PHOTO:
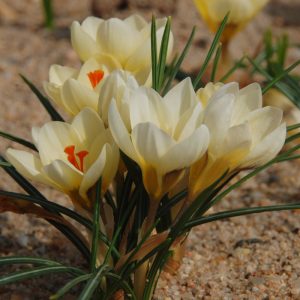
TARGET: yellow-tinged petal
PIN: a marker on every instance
(66, 175)
(118, 38)
(83, 43)
(119, 131)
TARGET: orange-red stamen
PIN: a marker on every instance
(70, 150)
(95, 77)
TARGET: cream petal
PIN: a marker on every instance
(117, 38)
(114, 86)
(263, 121)
(151, 143)
(59, 74)
(64, 174)
(238, 137)
(88, 125)
(84, 45)
(93, 173)
(229, 88)
(90, 25)
(53, 91)
(249, 99)
(136, 22)
(188, 122)
(217, 118)
(146, 106)
(119, 131)
(76, 96)
(179, 99)
(186, 152)
(26, 163)
(52, 140)
(267, 149)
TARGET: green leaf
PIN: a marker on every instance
(93, 283)
(5, 164)
(30, 189)
(211, 51)
(36, 272)
(48, 12)
(154, 54)
(176, 68)
(61, 292)
(293, 127)
(216, 62)
(55, 116)
(96, 226)
(163, 54)
(237, 65)
(239, 212)
(10, 260)
(18, 140)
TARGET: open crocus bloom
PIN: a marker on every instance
(74, 90)
(163, 135)
(126, 41)
(243, 134)
(241, 12)
(72, 157)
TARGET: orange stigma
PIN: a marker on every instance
(95, 77)
(76, 159)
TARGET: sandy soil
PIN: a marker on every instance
(255, 257)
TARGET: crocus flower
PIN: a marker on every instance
(71, 157)
(241, 12)
(74, 90)
(243, 134)
(127, 42)
(163, 136)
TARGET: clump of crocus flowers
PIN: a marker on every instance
(155, 155)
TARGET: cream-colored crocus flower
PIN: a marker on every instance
(163, 135)
(243, 134)
(74, 89)
(71, 157)
(126, 41)
(241, 12)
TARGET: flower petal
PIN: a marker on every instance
(119, 131)
(151, 143)
(186, 152)
(67, 177)
(88, 125)
(117, 38)
(83, 43)
(179, 99)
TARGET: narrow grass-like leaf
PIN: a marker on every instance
(163, 54)
(55, 116)
(211, 51)
(66, 288)
(239, 212)
(237, 65)
(216, 63)
(293, 127)
(176, 68)
(48, 12)
(30, 189)
(5, 164)
(96, 227)
(154, 54)
(93, 283)
(18, 140)
(280, 76)
(11, 260)
(36, 272)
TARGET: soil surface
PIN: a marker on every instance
(253, 257)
